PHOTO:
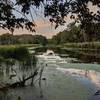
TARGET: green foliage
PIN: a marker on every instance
(84, 45)
(1, 59)
(75, 34)
(17, 53)
(9, 55)
(6, 38)
(22, 39)
(92, 31)
(72, 35)
(39, 39)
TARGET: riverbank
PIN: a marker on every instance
(83, 54)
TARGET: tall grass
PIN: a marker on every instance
(17, 53)
(87, 45)
(11, 56)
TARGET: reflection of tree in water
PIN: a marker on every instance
(19, 73)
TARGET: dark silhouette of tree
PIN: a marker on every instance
(56, 10)
(78, 10)
(10, 21)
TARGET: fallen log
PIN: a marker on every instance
(22, 83)
(5, 87)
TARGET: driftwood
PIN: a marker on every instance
(22, 83)
(5, 87)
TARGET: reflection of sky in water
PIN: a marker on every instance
(95, 97)
(87, 83)
(56, 87)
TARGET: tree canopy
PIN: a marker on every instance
(7, 39)
(56, 10)
(74, 33)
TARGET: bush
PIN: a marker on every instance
(17, 53)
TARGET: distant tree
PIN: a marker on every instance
(92, 31)
(56, 39)
(23, 39)
(39, 39)
(74, 33)
(6, 39)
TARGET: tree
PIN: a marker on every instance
(92, 31)
(6, 39)
(74, 33)
(59, 9)
(23, 39)
(39, 39)
(56, 10)
(10, 21)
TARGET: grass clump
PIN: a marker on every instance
(17, 53)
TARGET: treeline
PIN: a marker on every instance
(75, 34)
(7, 39)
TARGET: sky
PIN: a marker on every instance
(43, 26)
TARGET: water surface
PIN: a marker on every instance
(57, 86)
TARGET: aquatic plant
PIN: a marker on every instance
(19, 61)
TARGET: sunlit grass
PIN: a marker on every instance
(14, 52)
(88, 45)
(19, 45)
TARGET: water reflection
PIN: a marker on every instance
(55, 84)
(85, 76)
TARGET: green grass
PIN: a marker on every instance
(88, 45)
(19, 45)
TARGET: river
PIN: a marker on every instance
(58, 85)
